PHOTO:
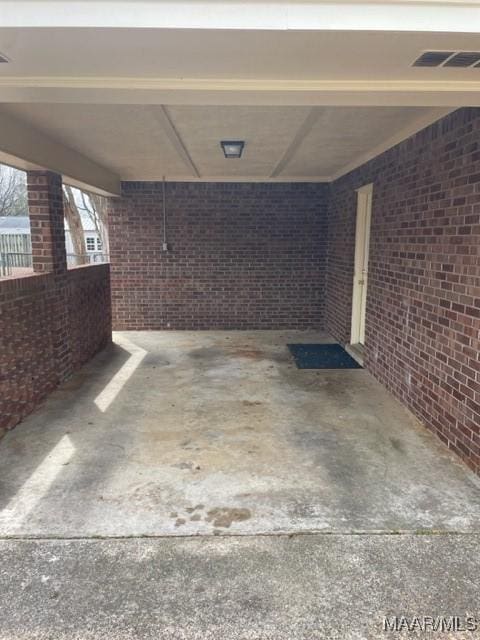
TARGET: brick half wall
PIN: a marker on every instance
(243, 256)
(423, 304)
(31, 346)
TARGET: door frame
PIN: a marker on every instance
(362, 247)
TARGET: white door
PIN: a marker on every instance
(360, 278)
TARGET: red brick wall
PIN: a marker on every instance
(89, 312)
(34, 356)
(242, 256)
(45, 206)
(423, 304)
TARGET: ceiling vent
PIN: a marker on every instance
(458, 59)
(3, 58)
(463, 59)
(432, 58)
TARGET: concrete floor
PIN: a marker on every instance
(187, 433)
(236, 588)
(181, 434)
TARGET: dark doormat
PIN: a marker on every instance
(322, 356)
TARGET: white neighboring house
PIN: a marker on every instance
(93, 242)
(14, 226)
(16, 246)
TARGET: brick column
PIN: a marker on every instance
(45, 206)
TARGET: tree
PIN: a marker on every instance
(72, 216)
(78, 204)
(13, 192)
(95, 207)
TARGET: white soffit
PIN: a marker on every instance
(205, 67)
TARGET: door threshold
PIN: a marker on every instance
(356, 351)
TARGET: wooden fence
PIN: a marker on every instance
(15, 252)
(15, 243)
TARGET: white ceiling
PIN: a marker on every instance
(146, 142)
(313, 87)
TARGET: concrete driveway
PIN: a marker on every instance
(278, 503)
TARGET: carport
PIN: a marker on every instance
(348, 214)
(218, 433)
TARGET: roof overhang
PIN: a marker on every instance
(159, 55)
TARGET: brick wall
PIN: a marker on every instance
(51, 322)
(89, 312)
(423, 304)
(242, 256)
(32, 352)
(45, 206)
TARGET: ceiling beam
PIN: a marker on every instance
(162, 116)
(298, 138)
(25, 147)
(168, 91)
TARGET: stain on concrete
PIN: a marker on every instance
(75, 382)
(398, 445)
(179, 522)
(224, 516)
(207, 353)
(251, 354)
(250, 403)
(155, 360)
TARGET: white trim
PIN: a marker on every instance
(172, 91)
(240, 84)
(360, 276)
(356, 351)
(400, 15)
(260, 179)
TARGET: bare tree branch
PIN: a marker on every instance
(13, 192)
(72, 215)
(99, 204)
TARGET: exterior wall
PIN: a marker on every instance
(45, 206)
(89, 312)
(51, 322)
(34, 357)
(423, 303)
(243, 256)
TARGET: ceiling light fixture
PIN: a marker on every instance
(232, 148)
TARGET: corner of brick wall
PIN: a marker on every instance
(34, 356)
(423, 303)
(51, 322)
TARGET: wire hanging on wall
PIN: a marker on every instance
(164, 198)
